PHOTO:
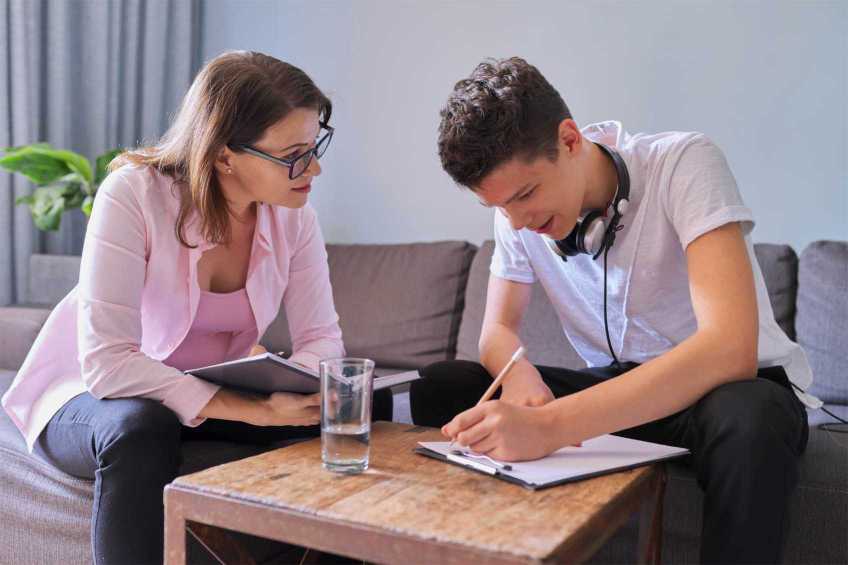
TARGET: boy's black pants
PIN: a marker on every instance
(745, 438)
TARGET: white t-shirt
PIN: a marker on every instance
(680, 188)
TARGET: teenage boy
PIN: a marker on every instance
(642, 245)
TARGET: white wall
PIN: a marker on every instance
(766, 80)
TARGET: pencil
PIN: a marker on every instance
(519, 353)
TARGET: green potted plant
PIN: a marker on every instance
(65, 180)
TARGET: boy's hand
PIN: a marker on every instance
(525, 387)
(502, 431)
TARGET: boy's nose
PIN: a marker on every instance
(517, 221)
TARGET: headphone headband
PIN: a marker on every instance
(622, 192)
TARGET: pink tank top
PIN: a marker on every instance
(219, 316)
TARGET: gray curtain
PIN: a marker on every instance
(85, 75)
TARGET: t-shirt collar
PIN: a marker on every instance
(610, 133)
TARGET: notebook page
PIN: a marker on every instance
(596, 455)
(395, 379)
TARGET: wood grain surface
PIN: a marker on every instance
(413, 496)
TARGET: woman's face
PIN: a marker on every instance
(249, 178)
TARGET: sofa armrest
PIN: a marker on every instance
(19, 326)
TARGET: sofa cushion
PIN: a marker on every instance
(779, 265)
(18, 328)
(822, 320)
(399, 305)
(541, 331)
(46, 514)
(10, 437)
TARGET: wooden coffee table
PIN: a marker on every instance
(410, 509)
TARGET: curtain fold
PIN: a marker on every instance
(85, 75)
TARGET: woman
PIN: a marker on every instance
(191, 247)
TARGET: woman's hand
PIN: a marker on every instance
(279, 409)
(289, 409)
(256, 350)
(503, 431)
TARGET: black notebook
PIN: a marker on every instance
(599, 456)
(266, 373)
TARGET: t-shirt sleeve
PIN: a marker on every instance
(702, 194)
(510, 260)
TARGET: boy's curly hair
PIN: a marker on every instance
(505, 109)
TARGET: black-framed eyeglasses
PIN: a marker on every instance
(297, 165)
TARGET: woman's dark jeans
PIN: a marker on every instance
(131, 448)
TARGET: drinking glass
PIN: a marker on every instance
(346, 387)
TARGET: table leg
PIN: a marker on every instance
(651, 521)
(175, 535)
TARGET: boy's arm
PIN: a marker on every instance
(723, 349)
(506, 302)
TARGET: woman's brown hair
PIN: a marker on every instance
(232, 101)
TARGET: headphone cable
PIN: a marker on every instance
(606, 323)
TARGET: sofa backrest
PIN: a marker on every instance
(399, 305)
(408, 305)
(822, 319)
(18, 329)
(779, 265)
(51, 277)
(542, 333)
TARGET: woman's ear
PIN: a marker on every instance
(224, 161)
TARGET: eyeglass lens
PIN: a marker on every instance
(302, 163)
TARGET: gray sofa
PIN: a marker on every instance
(409, 305)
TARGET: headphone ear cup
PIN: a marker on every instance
(568, 245)
(590, 237)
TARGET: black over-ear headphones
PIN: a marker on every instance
(595, 232)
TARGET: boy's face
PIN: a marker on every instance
(539, 195)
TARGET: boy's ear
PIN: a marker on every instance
(569, 134)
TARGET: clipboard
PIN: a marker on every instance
(598, 456)
(267, 373)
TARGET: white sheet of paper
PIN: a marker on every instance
(596, 455)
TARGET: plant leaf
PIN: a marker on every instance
(50, 219)
(74, 196)
(70, 178)
(87, 205)
(38, 167)
(75, 161)
(47, 206)
(43, 144)
(102, 164)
